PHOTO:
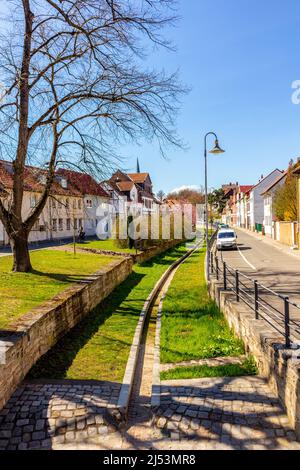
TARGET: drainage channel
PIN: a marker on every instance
(139, 415)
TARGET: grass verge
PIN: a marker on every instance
(248, 367)
(53, 272)
(98, 348)
(192, 325)
(106, 245)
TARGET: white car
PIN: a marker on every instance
(227, 239)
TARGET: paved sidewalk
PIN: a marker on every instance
(223, 413)
(43, 416)
(206, 414)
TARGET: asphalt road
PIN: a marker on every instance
(272, 268)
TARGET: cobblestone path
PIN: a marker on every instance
(43, 416)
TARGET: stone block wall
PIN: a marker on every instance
(37, 331)
(139, 257)
(280, 366)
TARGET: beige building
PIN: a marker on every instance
(63, 214)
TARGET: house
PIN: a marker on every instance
(116, 199)
(242, 196)
(256, 200)
(125, 189)
(229, 212)
(268, 196)
(145, 189)
(135, 188)
(93, 196)
(63, 212)
(235, 211)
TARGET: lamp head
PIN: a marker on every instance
(217, 149)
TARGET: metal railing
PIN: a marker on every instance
(266, 304)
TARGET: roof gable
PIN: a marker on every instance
(140, 178)
(84, 182)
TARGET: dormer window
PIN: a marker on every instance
(43, 179)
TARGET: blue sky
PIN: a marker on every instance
(240, 57)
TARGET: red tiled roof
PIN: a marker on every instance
(125, 185)
(138, 178)
(245, 189)
(83, 182)
(33, 181)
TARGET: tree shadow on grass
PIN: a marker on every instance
(56, 362)
(66, 278)
(166, 258)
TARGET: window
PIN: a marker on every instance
(74, 203)
(36, 226)
(32, 200)
(60, 225)
(80, 223)
(79, 203)
(67, 203)
(75, 224)
(89, 203)
(53, 203)
(59, 204)
(223, 235)
(54, 225)
(68, 224)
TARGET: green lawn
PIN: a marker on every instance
(98, 348)
(248, 367)
(106, 245)
(192, 325)
(53, 272)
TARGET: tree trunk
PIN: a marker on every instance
(19, 246)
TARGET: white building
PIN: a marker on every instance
(256, 200)
(269, 215)
(93, 196)
(62, 214)
(72, 204)
(241, 200)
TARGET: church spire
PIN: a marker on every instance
(138, 170)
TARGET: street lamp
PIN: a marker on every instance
(216, 150)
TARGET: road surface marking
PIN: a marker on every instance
(246, 261)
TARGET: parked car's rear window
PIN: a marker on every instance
(226, 235)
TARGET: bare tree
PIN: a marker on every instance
(74, 85)
(161, 195)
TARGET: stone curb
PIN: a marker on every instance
(211, 362)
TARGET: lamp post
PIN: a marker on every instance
(216, 150)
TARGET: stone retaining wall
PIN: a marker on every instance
(281, 367)
(141, 257)
(37, 331)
